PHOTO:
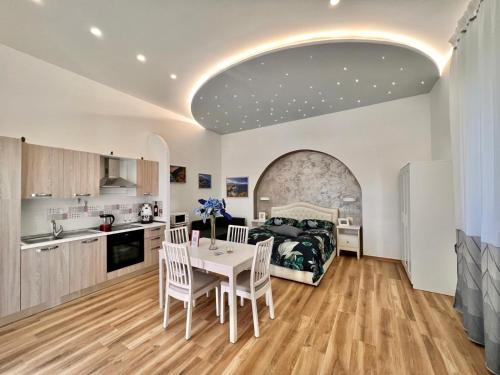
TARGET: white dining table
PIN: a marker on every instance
(220, 262)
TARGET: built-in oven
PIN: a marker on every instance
(125, 249)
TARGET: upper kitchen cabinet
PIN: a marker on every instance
(147, 178)
(42, 171)
(81, 174)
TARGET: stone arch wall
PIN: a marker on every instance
(309, 176)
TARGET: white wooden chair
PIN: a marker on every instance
(254, 283)
(178, 235)
(184, 283)
(237, 233)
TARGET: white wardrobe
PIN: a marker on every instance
(428, 226)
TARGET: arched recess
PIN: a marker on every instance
(309, 176)
(159, 150)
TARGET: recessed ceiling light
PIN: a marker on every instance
(383, 57)
(401, 68)
(311, 87)
(96, 32)
(141, 58)
(359, 101)
(334, 2)
(356, 80)
(286, 74)
(173, 76)
(345, 67)
(374, 86)
(422, 82)
(389, 92)
(394, 83)
(341, 98)
(38, 2)
(235, 95)
(338, 83)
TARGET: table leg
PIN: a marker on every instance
(233, 325)
(161, 282)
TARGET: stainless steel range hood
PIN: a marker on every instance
(112, 178)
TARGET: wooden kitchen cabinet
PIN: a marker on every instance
(81, 174)
(44, 274)
(10, 225)
(42, 171)
(87, 263)
(153, 239)
(147, 178)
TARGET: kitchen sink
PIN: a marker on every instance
(39, 238)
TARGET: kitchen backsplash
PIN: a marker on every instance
(36, 214)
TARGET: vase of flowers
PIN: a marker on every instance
(211, 209)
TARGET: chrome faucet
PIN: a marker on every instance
(56, 232)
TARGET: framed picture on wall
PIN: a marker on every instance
(237, 187)
(177, 174)
(262, 216)
(204, 181)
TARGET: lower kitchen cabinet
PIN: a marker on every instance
(153, 239)
(44, 274)
(87, 263)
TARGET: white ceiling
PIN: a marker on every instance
(192, 37)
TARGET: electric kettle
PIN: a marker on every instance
(108, 221)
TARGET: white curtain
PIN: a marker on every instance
(475, 118)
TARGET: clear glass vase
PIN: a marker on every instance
(213, 244)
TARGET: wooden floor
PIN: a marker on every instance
(364, 318)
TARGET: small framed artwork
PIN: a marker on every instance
(177, 174)
(237, 187)
(204, 181)
(343, 222)
(195, 238)
(262, 216)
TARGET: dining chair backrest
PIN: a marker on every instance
(261, 263)
(178, 235)
(179, 269)
(237, 233)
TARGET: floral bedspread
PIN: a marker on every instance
(307, 252)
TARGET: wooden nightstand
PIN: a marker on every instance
(257, 223)
(349, 239)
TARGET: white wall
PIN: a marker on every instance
(374, 142)
(440, 117)
(52, 106)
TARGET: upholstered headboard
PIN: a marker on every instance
(303, 210)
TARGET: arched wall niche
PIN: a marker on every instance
(309, 176)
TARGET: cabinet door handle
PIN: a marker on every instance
(156, 238)
(90, 241)
(154, 229)
(82, 195)
(46, 249)
(146, 193)
(41, 195)
(156, 248)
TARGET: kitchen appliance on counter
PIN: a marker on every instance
(107, 224)
(146, 213)
(178, 219)
(125, 249)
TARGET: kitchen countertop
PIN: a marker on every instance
(97, 233)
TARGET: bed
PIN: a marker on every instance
(315, 248)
